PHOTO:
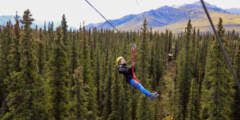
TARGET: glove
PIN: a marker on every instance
(134, 46)
(133, 63)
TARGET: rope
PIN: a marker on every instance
(101, 15)
(221, 45)
(133, 62)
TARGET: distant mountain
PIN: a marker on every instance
(5, 19)
(199, 6)
(234, 10)
(159, 17)
(165, 16)
(231, 21)
(114, 22)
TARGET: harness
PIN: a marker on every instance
(133, 62)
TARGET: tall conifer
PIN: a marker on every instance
(58, 78)
(218, 91)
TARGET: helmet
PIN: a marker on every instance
(118, 59)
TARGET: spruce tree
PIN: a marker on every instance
(124, 110)
(64, 30)
(99, 83)
(88, 80)
(50, 42)
(218, 91)
(41, 53)
(25, 98)
(80, 98)
(107, 103)
(144, 111)
(7, 38)
(14, 56)
(236, 101)
(115, 98)
(74, 61)
(193, 105)
(194, 96)
(184, 75)
(58, 78)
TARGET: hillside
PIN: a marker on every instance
(234, 10)
(174, 18)
(164, 17)
(231, 22)
(5, 19)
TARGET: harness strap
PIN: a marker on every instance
(133, 61)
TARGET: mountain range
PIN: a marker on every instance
(234, 10)
(5, 18)
(166, 17)
(175, 19)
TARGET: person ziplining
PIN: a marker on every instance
(131, 79)
(128, 72)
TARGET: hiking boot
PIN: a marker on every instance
(153, 96)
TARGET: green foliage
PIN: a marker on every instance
(184, 76)
(107, 90)
(61, 73)
(144, 111)
(217, 88)
(6, 40)
(88, 79)
(79, 103)
(41, 53)
(64, 30)
(26, 96)
(236, 103)
(58, 78)
(14, 56)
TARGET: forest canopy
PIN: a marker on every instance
(59, 73)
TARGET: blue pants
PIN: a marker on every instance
(136, 84)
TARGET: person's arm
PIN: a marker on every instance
(134, 68)
(123, 69)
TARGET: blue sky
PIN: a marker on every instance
(78, 11)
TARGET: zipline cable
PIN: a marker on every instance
(101, 15)
(221, 45)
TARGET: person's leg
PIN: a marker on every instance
(136, 84)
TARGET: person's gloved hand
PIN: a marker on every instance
(133, 63)
(133, 47)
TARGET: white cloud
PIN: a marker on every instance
(78, 11)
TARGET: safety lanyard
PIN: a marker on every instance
(133, 62)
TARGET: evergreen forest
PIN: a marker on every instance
(59, 73)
